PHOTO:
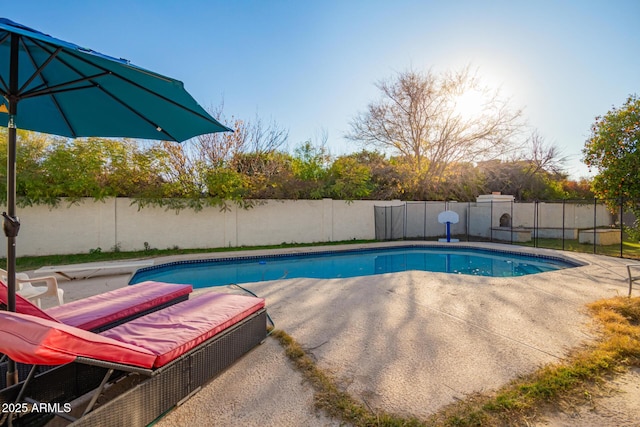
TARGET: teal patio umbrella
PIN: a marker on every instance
(56, 87)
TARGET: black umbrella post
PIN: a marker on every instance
(11, 224)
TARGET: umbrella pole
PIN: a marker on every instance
(11, 223)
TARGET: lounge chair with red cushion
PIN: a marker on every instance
(100, 312)
(104, 311)
(158, 359)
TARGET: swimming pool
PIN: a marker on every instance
(350, 263)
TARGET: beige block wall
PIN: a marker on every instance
(90, 225)
(164, 229)
(65, 229)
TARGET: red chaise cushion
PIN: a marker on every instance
(110, 307)
(23, 305)
(33, 340)
(173, 331)
(103, 309)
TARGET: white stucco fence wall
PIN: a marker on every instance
(65, 229)
(91, 225)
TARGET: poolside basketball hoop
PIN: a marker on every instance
(448, 218)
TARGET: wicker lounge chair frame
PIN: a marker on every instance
(148, 394)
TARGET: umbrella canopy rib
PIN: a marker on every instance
(63, 87)
(137, 113)
(39, 69)
(164, 98)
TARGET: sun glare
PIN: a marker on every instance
(470, 104)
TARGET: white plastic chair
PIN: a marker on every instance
(632, 278)
(25, 288)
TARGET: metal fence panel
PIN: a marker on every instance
(592, 225)
(389, 222)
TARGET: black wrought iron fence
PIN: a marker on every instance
(606, 227)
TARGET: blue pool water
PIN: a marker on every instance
(353, 263)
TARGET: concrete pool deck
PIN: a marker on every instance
(407, 343)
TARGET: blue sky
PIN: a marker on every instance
(312, 65)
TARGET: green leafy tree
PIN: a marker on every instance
(613, 149)
(130, 169)
(225, 184)
(50, 168)
(269, 175)
(94, 167)
(32, 149)
(385, 181)
(348, 180)
(309, 165)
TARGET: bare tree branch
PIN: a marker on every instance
(417, 118)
